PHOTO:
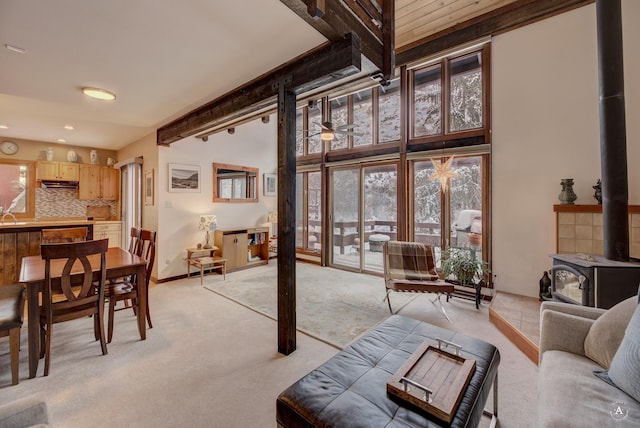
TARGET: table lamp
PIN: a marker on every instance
(207, 222)
(272, 218)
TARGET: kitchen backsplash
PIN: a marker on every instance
(65, 203)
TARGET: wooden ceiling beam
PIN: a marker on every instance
(506, 18)
(337, 21)
(319, 67)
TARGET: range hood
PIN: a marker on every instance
(52, 184)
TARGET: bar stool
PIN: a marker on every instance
(11, 316)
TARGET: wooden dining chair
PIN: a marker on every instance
(59, 236)
(83, 291)
(11, 317)
(127, 290)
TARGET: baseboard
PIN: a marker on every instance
(521, 341)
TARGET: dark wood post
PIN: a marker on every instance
(613, 141)
(286, 218)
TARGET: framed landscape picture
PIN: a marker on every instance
(184, 178)
(270, 184)
(148, 187)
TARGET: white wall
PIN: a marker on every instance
(252, 145)
(545, 127)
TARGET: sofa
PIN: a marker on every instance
(589, 366)
(29, 412)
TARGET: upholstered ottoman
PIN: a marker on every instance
(350, 390)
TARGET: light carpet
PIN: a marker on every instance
(331, 305)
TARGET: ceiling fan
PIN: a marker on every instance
(328, 132)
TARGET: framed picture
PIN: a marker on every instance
(270, 184)
(184, 178)
(148, 187)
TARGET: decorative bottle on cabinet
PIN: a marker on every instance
(567, 196)
(94, 157)
(49, 153)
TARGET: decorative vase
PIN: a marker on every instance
(49, 153)
(72, 156)
(598, 192)
(94, 157)
(567, 196)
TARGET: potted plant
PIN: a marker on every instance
(467, 270)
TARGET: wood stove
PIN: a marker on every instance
(593, 280)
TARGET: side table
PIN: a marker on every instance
(194, 253)
(209, 263)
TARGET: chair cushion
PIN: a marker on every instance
(625, 366)
(606, 333)
(11, 306)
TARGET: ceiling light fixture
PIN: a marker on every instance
(61, 140)
(326, 135)
(99, 94)
(4, 127)
(69, 127)
(15, 48)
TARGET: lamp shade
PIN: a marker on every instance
(206, 221)
(272, 217)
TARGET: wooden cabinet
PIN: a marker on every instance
(243, 247)
(58, 171)
(111, 230)
(98, 182)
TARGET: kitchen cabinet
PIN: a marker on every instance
(58, 171)
(98, 183)
(109, 229)
(244, 247)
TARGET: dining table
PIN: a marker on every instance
(119, 263)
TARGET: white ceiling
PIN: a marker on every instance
(162, 58)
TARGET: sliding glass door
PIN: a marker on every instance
(364, 215)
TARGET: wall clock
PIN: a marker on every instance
(8, 147)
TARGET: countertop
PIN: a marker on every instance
(40, 223)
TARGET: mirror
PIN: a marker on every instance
(232, 183)
(17, 187)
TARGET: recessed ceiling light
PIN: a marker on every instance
(69, 127)
(4, 127)
(15, 48)
(61, 140)
(98, 93)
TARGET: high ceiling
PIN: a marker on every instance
(161, 58)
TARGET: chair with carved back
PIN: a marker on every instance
(127, 290)
(68, 268)
(11, 317)
(59, 236)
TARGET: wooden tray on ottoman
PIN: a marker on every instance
(433, 379)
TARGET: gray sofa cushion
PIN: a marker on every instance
(569, 395)
(606, 333)
(26, 412)
(625, 367)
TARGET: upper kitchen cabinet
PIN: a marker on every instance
(57, 171)
(98, 182)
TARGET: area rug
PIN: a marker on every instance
(331, 305)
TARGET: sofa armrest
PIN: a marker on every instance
(25, 412)
(563, 332)
(568, 308)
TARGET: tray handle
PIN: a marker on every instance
(406, 382)
(457, 347)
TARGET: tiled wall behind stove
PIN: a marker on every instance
(65, 203)
(583, 233)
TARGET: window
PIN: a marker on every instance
(465, 102)
(448, 218)
(427, 102)
(389, 112)
(308, 127)
(448, 99)
(17, 188)
(309, 210)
